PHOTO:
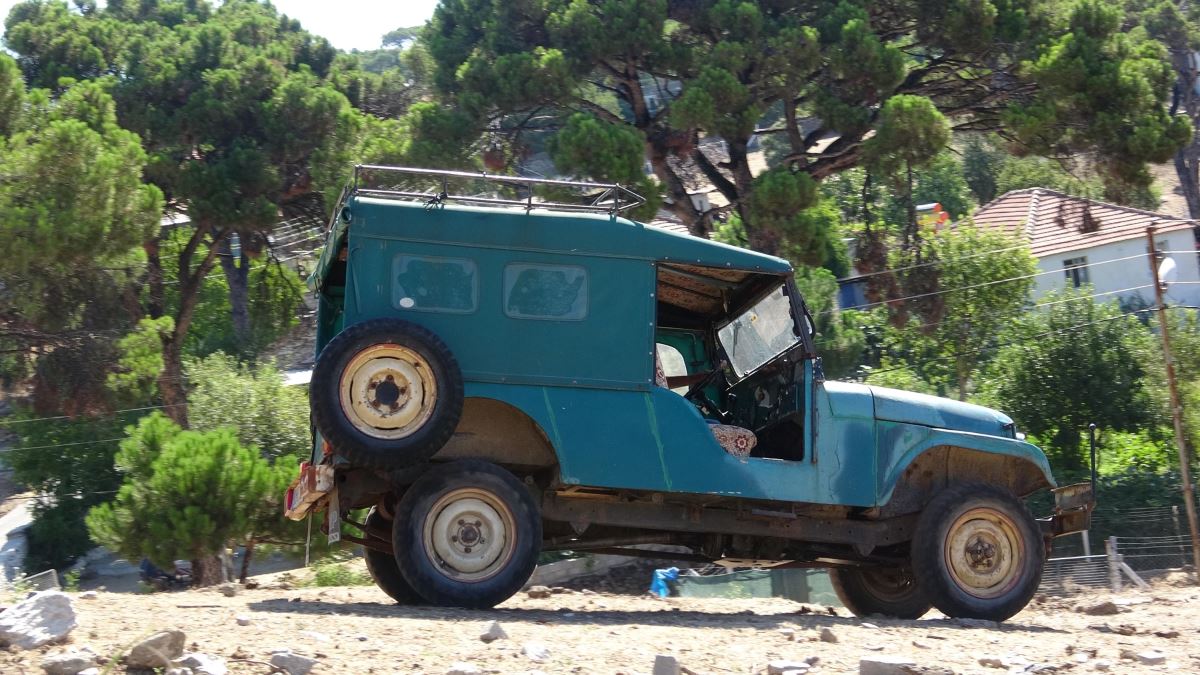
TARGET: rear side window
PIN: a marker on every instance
(548, 292)
(435, 284)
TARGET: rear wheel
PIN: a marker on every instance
(890, 591)
(978, 552)
(383, 568)
(468, 535)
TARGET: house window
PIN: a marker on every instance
(434, 284)
(554, 292)
(1076, 272)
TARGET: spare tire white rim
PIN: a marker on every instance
(984, 552)
(387, 391)
(469, 535)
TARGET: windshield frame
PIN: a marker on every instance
(797, 311)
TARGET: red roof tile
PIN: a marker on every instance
(1057, 223)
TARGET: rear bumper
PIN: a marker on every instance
(1073, 505)
(305, 493)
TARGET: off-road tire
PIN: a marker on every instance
(892, 593)
(996, 517)
(464, 494)
(383, 568)
(372, 448)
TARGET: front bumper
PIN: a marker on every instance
(1073, 505)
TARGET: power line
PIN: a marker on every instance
(114, 413)
(936, 262)
(67, 445)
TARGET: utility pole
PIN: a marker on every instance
(1189, 502)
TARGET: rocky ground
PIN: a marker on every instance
(357, 630)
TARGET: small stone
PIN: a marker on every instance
(1105, 608)
(559, 590)
(873, 648)
(362, 638)
(68, 663)
(920, 645)
(178, 671)
(666, 665)
(992, 662)
(89, 671)
(782, 667)
(294, 664)
(242, 620)
(1101, 665)
(230, 590)
(538, 592)
(1081, 657)
(1167, 634)
(87, 595)
(494, 632)
(536, 651)
(975, 623)
(464, 668)
(867, 624)
(1152, 657)
(157, 651)
(203, 664)
(885, 665)
(314, 635)
(38, 620)
(828, 635)
(788, 633)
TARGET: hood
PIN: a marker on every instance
(942, 413)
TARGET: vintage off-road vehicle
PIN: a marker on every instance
(494, 377)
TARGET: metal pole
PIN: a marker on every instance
(1189, 502)
(1114, 565)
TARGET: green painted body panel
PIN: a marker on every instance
(554, 314)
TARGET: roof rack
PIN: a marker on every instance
(612, 197)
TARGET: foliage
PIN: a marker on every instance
(186, 494)
(334, 572)
(982, 281)
(839, 339)
(683, 72)
(141, 361)
(1074, 363)
(253, 400)
(941, 181)
(897, 375)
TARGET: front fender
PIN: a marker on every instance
(994, 458)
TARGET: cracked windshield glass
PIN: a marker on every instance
(760, 334)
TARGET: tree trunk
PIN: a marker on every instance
(208, 570)
(237, 275)
(170, 382)
(250, 544)
(1187, 158)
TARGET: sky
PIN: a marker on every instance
(348, 24)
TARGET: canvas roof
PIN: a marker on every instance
(1056, 223)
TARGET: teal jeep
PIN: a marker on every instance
(499, 376)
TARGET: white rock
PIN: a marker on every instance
(494, 632)
(788, 633)
(867, 624)
(230, 590)
(536, 651)
(294, 664)
(666, 665)
(40, 619)
(203, 664)
(1152, 657)
(538, 592)
(781, 667)
(1101, 665)
(68, 663)
(178, 671)
(89, 671)
(242, 620)
(463, 668)
(885, 665)
(157, 651)
(314, 635)
(828, 635)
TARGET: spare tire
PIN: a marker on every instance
(386, 394)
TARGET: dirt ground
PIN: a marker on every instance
(358, 630)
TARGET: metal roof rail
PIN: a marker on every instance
(612, 198)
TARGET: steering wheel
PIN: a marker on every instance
(696, 394)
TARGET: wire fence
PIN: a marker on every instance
(1122, 548)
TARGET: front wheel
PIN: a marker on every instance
(977, 552)
(469, 535)
(892, 592)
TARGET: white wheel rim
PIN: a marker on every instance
(388, 391)
(469, 535)
(983, 552)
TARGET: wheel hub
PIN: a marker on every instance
(983, 552)
(388, 391)
(469, 535)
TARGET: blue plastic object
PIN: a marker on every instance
(659, 585)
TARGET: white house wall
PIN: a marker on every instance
(1115, 276)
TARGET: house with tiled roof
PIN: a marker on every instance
(1082, 241)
